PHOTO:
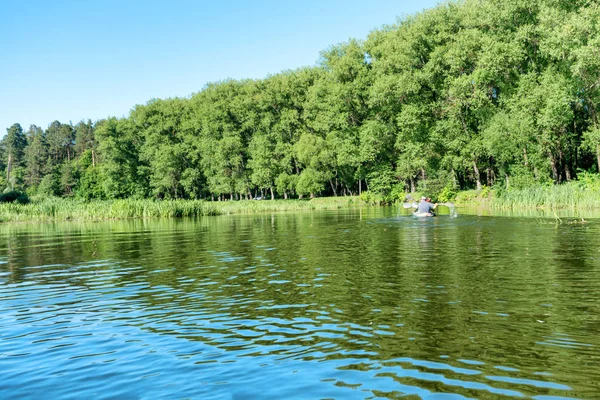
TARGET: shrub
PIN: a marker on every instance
(373, 198)
(14, 196)
(49, 186)
(398, 193)
(440, 187)
(447, 194)
(588, 180)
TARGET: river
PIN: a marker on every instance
(352, 304)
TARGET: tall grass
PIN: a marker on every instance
(56, 209)
(250, 206)
(66, 209)
(572, 195)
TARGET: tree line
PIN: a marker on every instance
(477, 92)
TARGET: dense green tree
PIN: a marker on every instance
(60, 139)
(468, 93)
(14, 145)
(85, 139)
(35, 157)
(121, 172)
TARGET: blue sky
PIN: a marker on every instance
(70, 60)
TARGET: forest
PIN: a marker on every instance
(469, 94)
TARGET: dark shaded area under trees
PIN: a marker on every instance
(470, 93)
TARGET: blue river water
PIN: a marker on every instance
(353, 304)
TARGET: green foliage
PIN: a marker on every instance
(54, 209)
(286, 183)
(440, 186)
(588, 181)
(471, 197)
(463, 95)
(397, 194)
(382, 180)
(447, 194)
(310, 182)
(88, 186)
(14, 196)
(570, 195)
(49, 186)
(373, 199)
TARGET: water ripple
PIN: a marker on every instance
(338, 307)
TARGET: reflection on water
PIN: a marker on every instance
(347, 304)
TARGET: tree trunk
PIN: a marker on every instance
(333, 188)
(272, 194)
(525, 158)
(412, 185)
(598, 156)
(8, 169)
(285, 195)
(477, 175)
(360, 184)
(555, 174)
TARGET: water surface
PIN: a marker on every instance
(359, 304)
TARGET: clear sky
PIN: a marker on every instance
(70, 60)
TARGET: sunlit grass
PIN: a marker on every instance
(55, 209)
(566, 196)
(252, 206)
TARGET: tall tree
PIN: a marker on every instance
(14, 144)
(85, 139)
(35, 156)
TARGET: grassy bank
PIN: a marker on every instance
(572, 195)
(55, 209)
(567, 196)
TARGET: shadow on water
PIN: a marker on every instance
(354, 304)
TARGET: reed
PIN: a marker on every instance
(570, 195)
(251, 206)
(56, 209)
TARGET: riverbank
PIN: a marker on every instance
(56, 209)
(569, 196)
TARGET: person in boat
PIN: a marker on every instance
(425, 207)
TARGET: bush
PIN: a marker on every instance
(588, 180)
(14, 196)
(474, 196)
(447, 194)
(49, 186)
(440, 188)
(371, 198)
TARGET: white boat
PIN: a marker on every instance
(423, 215)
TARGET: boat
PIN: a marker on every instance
(423, 215)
